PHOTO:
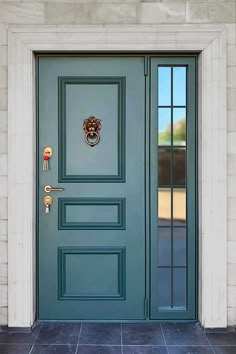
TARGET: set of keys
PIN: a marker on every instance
(47, 153)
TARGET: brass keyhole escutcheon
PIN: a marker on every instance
(47, 202)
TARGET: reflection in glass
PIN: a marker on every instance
(164, 288)
(179, 126)
(179, 86)
(164, 156)
(164, 86)
(172, 152)
(164, 246)
(164, 126)
(179, 246)
(179, 206)
(164, 206)
(179, 287)
(179, 166)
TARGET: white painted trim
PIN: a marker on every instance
(210, 41)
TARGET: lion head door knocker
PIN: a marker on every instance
(92, 127)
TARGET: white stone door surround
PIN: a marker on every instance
(210, 41)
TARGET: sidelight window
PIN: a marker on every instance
(172, 182)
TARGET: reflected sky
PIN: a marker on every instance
(164, 86)
(179, 86)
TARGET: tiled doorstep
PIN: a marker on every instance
(112, 349)
(111, 338)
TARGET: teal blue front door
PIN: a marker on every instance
(116, 230)
(91, 243)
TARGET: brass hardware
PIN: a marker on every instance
(92, 127)
(47, 202)
(47, 153)
(49, 189)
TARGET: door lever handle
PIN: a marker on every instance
(49, 189)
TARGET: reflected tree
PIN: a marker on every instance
(179, 131)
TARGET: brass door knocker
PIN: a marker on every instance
(92, 127)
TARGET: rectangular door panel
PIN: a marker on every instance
(80, 98)
(91, 213)
(90, 264)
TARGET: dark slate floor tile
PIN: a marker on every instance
(144, 350)
(193, 349)
(183, 334)
(142, 334)
(100, 333)
(224, 349)
(59, 333)
(9, 336)
(98, 349)
(54, 349)
(15, 348)
(228, 338)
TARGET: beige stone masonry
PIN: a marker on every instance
(3, 230)
(67, 13)
(204, 12)
(162, 13)
(3, 121)
(24, 13)
(3, 275)
(3, 99)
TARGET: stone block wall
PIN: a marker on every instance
(121, 12)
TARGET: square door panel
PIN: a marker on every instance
(80, 98)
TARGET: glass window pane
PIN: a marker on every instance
(164, 86)
(179, 86)
(179, 287)
(179, 166)
(164, 246)
(164, 206)
(164, 156)
(164, 126)
(179, 126)
(179, 206)
(164, 287)
(179, 246)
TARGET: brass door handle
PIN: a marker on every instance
(49, 189)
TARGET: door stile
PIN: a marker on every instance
(147, 183)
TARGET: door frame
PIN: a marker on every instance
(210, 42)
(149, 285)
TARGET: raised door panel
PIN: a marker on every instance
(80, 98)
